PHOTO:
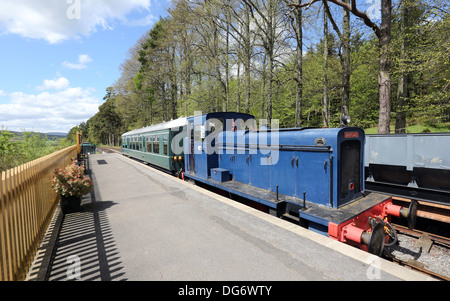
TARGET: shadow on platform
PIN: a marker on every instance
(79, 246)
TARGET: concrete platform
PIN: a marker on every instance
(142, 224)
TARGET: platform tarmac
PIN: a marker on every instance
(142, 224)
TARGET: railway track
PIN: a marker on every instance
(427, 247)
(421, 251)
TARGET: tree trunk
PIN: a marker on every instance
(173, 85)
(238, 94)
(325, 116)
(402, 92)
(247, 57)
(269, 50)
(384, 80)
(263, 87)
(227, 60)
(345, 94)
(299, 94)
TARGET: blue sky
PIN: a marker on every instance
(57, 57)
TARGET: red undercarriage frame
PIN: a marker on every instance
(357, 231)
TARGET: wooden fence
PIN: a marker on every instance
(27, 204)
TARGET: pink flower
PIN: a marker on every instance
(71, 181)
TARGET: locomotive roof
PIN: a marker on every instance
(182, 121)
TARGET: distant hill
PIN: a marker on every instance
(56, 134)
(50, 135)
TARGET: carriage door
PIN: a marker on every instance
(350, 185)
(191, 147)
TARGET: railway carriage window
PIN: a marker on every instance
(154, 149)
(165, 144)
(150, 144)
(156, 145)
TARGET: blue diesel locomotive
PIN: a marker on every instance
(314, 176)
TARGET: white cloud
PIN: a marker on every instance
(83, 60)
(58, 108)
(58, 20)
(56, 84)
(145, 21)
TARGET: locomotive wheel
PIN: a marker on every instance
(376, 240)
(412, 214)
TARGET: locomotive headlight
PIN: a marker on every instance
(346, 119)
(175, 158)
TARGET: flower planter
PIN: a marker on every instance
(70, 204)
(71, 184)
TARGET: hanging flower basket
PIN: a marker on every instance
(71, 184)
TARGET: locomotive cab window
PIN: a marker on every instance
(199, 132)
(245, 124)
(215, 125)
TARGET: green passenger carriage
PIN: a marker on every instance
(160, 145)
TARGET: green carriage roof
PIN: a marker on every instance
(177, 123)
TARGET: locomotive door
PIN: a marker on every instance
(314, 177)
(350, 171)
(284, 173)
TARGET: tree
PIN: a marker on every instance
(8, 149)
(383, 34)
(268, 16)
(257, 56)
(421, 63)
(105, 126)
(297, 21)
